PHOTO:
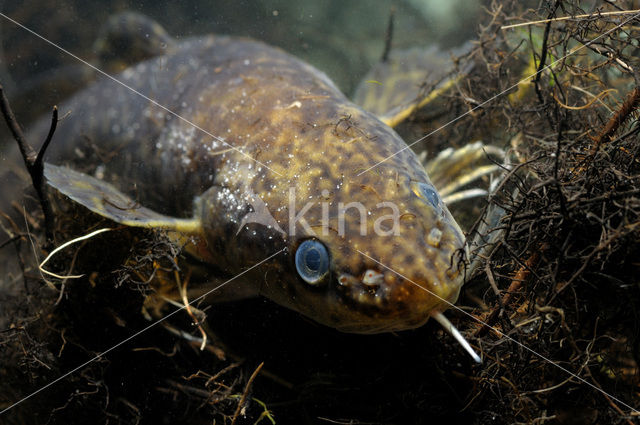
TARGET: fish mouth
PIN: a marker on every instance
(372, 306)
(382, 303)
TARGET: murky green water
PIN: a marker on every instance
(341, 38)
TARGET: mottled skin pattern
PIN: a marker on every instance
(290, 117)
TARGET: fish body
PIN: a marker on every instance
(261, 153)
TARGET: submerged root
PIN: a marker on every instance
(63, 246)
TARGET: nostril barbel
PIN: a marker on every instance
(372, 277)
(434, 237)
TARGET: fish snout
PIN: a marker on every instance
(394, 301)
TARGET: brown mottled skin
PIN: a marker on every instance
(290, 117)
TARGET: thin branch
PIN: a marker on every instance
(244, 394)
(33, 161)
(566, 18)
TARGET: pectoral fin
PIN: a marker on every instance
(105, 200)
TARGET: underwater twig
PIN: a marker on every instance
(32, 160)
(595, 98)
(35, 254)
(630, 104)
(520, 276)
(10, 240)
(388, 36)
(246, 391)
(543, 53)
(182, 289)
(566, 18)
(64, 245)
(194, 340)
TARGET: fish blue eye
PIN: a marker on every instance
(312, 261)
(429, 193)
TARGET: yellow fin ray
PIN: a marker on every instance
(105, 200)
